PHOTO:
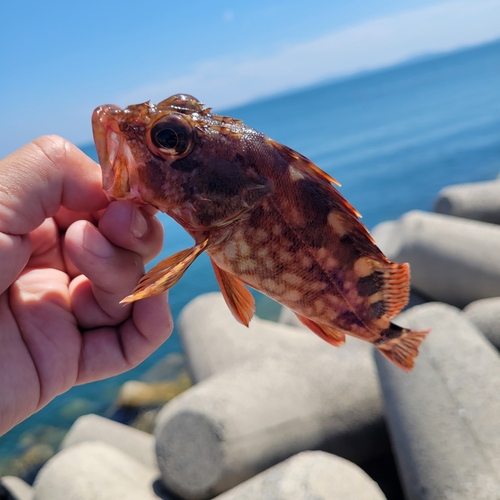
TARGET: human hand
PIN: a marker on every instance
(67, 257)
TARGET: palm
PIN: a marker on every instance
(61, 323)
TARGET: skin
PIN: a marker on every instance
(67, 257)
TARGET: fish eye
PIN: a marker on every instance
(170, 135)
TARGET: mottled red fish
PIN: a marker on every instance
(266, 215)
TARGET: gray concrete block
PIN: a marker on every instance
(452, 260)
(137, 444)
(214, 341)
(242, 421)
(309, 475)
(485, 314)
(94, 471)
(477, 200)
(443, 416)
(17, 488)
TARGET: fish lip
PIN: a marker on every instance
(112, 150)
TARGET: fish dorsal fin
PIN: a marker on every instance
(302, 163)
(331, 335)
(165, 274)
(237, 296)
(395, 288)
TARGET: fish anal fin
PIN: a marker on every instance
(403, 350)
(396, 288)
(237, 296)
(165, 274)
(331, 335)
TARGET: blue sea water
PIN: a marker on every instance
(393, 138)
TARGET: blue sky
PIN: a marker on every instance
(61, 59)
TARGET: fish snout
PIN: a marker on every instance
(115, 156)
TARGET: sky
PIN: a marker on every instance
(61, 59)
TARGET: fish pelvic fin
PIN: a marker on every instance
(396, 288)
(331, 335)
(403, 349)
(165, 274)
(237, 296)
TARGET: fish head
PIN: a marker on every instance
(200, 168)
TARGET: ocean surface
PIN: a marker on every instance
(393, 138)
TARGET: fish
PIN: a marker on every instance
(266, 215)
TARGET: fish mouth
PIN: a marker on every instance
(115, 157)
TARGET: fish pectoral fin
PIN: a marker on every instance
(237, 296)
(396, 288)
(331, 335)
(403, 350)
(165, 274)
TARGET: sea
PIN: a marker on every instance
(393, 138)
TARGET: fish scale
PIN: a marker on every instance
(267, 216)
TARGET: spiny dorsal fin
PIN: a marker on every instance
(302, 163)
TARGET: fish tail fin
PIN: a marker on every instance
(401, 346)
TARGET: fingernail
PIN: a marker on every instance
(96, 243)
(139, 224)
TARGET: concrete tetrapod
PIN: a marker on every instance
(311, 474)
(242, 421)
(95, 471)
(485, 314)
(137, 444)
(452, 260)
(443, 416)
(477, 200)
(218, 342)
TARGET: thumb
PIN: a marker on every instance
(15, 252)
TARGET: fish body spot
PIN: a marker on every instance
(244, 248)
(272, 286)
(336, 224)
(291, 295)
(363, 267)
(292, 279)
(247, 265)
(295, 175)
(260, 235)
(331, 263)
(231, 250)
(369, 285)
(277, 230)
(262, 253)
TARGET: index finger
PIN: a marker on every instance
(39, 178)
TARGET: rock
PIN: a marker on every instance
(311, 474)
(95, 471)
(172, 367)
(134, 393)
(137, 444)
(145, 420)
(485, 314)
(16, 488)
(238, 423)
(443, 416)
(477, 200)
(452, 260)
